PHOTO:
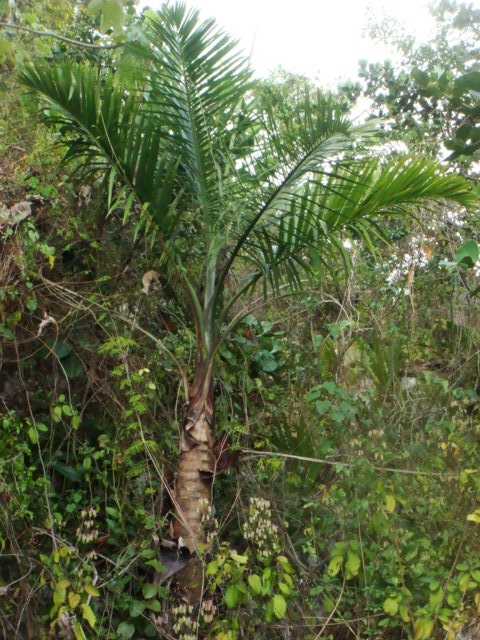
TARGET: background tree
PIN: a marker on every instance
(431, 93)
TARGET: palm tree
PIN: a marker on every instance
(202, 162)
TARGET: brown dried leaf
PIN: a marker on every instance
(427, 250)
(411, 273)
(150, 280)
(15, 214)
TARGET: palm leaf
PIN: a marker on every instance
(104, 127)
(279, 185)
(303, 226)
(195, 84)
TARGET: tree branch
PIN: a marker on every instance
(50, 34)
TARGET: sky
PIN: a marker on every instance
(322, 39)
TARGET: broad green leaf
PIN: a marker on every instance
(6, 332)
(91, 590)
(420, 77)
(463, 581)
(403, 610)
(328, 604)
(476, 575)
(238, 558)
(353, 564)
(467, 255)
(125, 631)
(474, 517)
(79, 633)
(111, 10)
(231, 596)
(153, 605)
(156, 564)
(73, 599)
(88, 615)
(31, 304)
(279, 606)
(67, 410)
(136, 608)
(334, 566)
(286, 566)
(390, 503)
(255, 583)
(59, 594)
(66, 470)
(6, 46)
(467, 82)
(149, 590)
(423, 629)
(269, 611)
(288, 579)
(390, 606)
(329, 386)
(322, 405)
(284, 588)
(242, 588)
(436, 598)
(266, 587)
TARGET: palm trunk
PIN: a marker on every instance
(193, 484)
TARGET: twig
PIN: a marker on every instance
(444, 591)
(319, 634)
(335, 463)
(75, 295)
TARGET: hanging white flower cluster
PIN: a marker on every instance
(185, 626)
(259, 528)
(209, 522)
(86, 531)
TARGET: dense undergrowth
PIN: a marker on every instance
(351, 508)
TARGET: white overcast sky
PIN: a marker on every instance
(322, 39)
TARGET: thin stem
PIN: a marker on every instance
(40, 455)
(252, 279)
(128, 321)
(332, 612)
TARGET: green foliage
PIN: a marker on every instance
(354, 408)
(264, 589)
(467, 255)
(279, 188)
(432, 94)
(111, 11)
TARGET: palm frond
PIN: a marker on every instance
(304, 225)
(104, 126)
(280, 185)
(195, 83)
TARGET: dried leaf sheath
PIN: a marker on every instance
(193, 484)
